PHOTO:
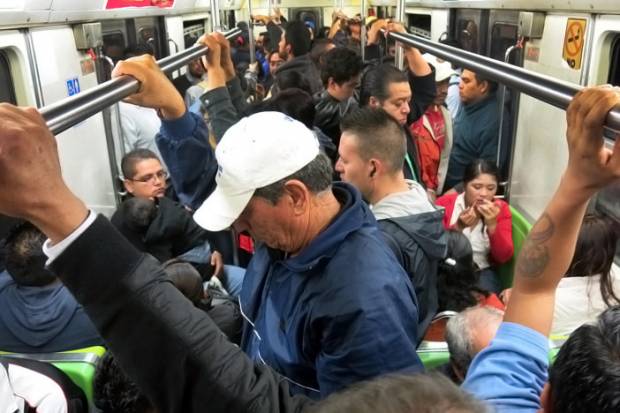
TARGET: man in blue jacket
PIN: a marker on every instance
(476, 127)
(326, 302)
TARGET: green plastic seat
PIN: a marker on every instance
(78, 364)
(433, 354)
(520, 228)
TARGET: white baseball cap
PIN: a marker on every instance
(255, 152)
(443, 69)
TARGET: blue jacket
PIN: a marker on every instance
(185, 149)
(341, 311)
(476, 130)
(42, 319)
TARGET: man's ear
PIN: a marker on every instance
(128, 185)
(373, 102)
(297, 195)
(373, 168)
(484, 87)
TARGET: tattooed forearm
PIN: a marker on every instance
(534, 255)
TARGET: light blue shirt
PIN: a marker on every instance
(453, 100)
(510, 373)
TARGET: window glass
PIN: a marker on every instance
(468, 35)
(7, 91)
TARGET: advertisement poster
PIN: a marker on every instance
(121, 4)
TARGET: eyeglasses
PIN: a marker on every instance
(161, 175)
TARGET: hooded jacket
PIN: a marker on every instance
(339, 312)
(42, 319)
(413, 229)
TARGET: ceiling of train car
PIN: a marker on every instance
(598, 6)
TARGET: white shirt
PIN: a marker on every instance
(578, 301)
(139, 126)
(53, 251)
(477, 235)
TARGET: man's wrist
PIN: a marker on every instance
(59, 217)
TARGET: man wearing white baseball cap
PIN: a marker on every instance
(432, 132)
(325, 302)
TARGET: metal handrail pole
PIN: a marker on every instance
(547, 89)
(65, 113)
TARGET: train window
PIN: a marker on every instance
(420, 24)
(503, 36)
(468, 35)
(614, 63)
(7, 91)
(114, 45)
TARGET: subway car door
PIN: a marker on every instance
(540, 152)
(63, 71)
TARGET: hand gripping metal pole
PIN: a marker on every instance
(63, 114)
(547, 89)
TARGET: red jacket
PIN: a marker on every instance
(502, 248)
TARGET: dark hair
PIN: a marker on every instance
(139, 213)
(291, 79)
(419, 393)
(114, 392)
(296, 35)
(377, 135)
(341, 65)
(585, 376)
(25, 261)
(492, 84)
(457, 275)
(296, 103)
(319, 49)
(377, 80)
(478, 167)
(594, 254)
(129, 161)
(316, 176)
(186, 278)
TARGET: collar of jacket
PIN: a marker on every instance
(481, 105)
(296, 62)
(354, 214)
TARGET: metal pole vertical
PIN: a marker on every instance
(363, 13)
(251, 33)
(400, 16)
(215, 15)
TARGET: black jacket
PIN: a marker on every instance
(171, 233)
(419, 243)
(329, 113)
(172, 350)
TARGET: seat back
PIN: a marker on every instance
(520, 228)
(78, 364)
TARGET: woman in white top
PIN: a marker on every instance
(592, 282)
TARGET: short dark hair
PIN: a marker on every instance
(378, 135)
(492, 84)
(318, 51)
(25, 261)
(114, 392)
(316, 175)
(138, 213)
(585, 376)
(291, 79)
(185, 278)
(340, 64)
(296, 35)
(296, 103)
(478, 167)
(420, 393)
(377, 80)
(129, 161)
(594, 254)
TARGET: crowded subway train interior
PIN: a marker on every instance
(431, 160)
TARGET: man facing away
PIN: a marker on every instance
(295, 43)
(39, 314)
(372, 152)
(476, 126)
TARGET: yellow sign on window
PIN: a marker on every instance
(574, 40)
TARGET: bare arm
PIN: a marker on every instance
(549, 248)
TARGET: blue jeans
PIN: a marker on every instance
(489, 281)
(232, 278)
